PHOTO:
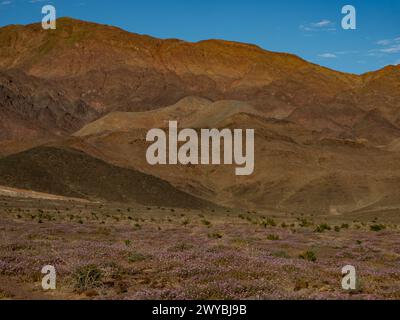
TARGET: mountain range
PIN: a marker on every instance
(327, 142)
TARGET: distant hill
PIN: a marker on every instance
(296, 169)
(72, 173)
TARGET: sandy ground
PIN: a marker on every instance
(111, 251)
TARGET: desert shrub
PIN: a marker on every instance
(304, 222)
(87, 277)
(344, 226)
(322, 227)
(128, 243)
(377, 227)
(215, 235)
(182, 247)
(269, 222)
(300, 284)
(136, 257)
(206, 222)
(273, 237)
(337, 229)
(281, 254)
(309, 256)
(185, 222)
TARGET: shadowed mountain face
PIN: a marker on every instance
(72, 173)
(325, 141)
(34, 106)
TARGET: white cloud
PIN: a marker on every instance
(327, 55)
(322, 23)
(384, 42)
(347, 52)
(388, 46)
(4, 3)
(387, 42)
(392, 49)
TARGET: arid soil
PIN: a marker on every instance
(117, 252)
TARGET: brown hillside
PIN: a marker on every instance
(72, 173)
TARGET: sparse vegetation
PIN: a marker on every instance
(136, 257)
(377, 227)
(273, 237)
(309, 256)
(322, 227)
(215, 235)
(87, 277)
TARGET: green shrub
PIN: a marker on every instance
(273, 237)
(281, 254)
(309, 256)
(322, 227)
(377, 227)
(215, 235)
(182, 247)
(87, 277)
(304, 222)
(136, 257)
(269, 223)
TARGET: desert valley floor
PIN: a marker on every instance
(111, 251)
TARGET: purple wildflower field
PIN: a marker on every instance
(116, 252)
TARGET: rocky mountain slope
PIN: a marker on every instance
(72, 173)
(99, 69)
(296, 169)
(326, 141)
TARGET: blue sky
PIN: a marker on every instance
(309, 28)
